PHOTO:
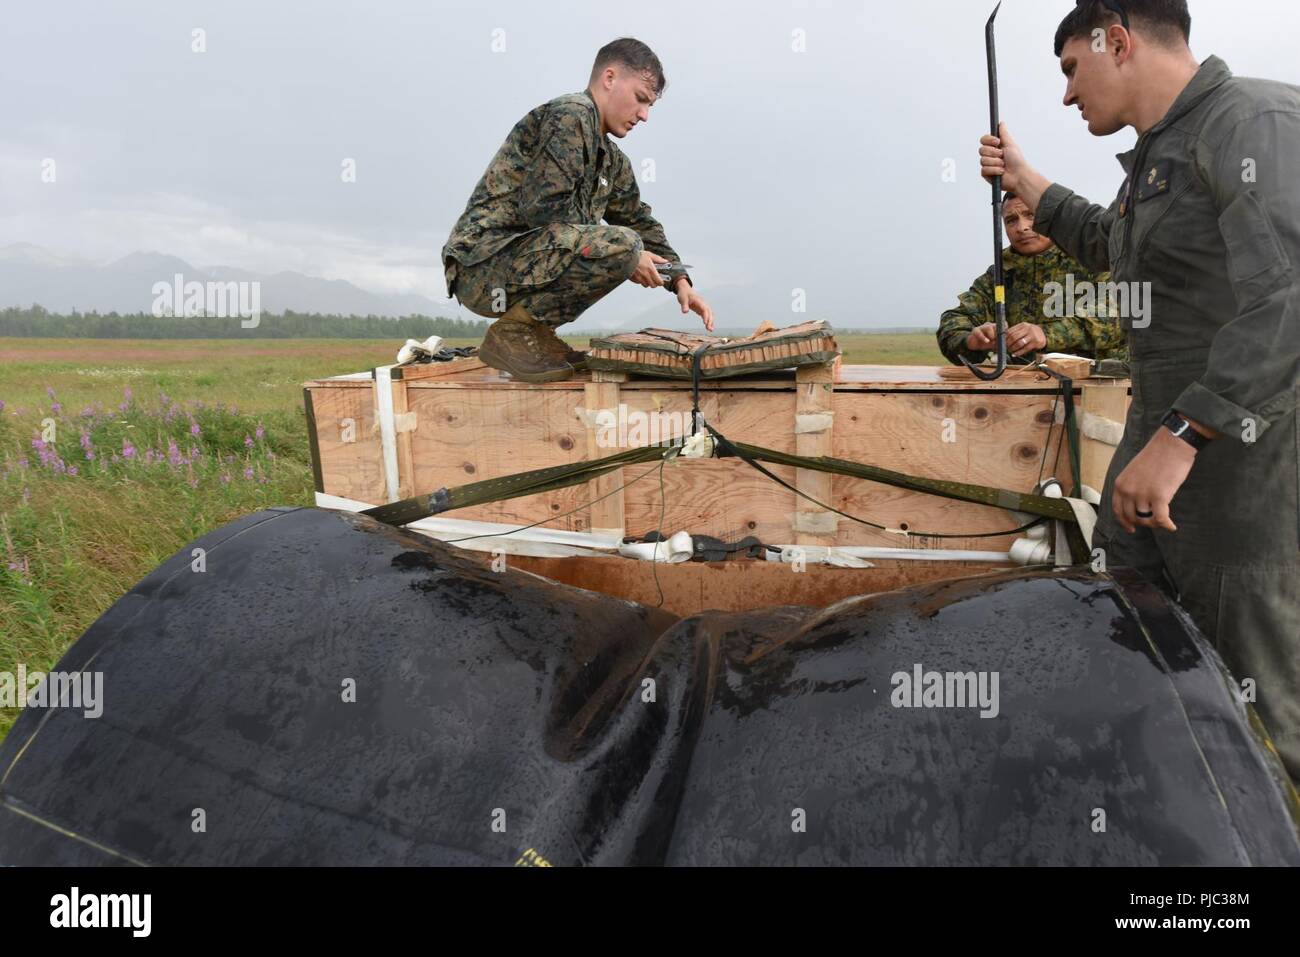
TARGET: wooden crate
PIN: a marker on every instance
(460, 422)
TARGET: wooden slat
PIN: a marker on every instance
(483, 426)
(1108, 400)
(606, 512)
(814, 525)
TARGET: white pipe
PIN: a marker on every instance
(819, 553)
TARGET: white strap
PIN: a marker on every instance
(387, 427)
(1085, 514)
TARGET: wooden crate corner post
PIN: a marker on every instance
(607, 516)
(395, 422)
(814, 422)
(1103, 407)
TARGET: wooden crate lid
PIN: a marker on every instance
(668, 352)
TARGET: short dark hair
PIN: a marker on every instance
(1008, 195)
(634, 55)
(1166, 22)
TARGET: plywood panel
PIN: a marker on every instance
(475, 427)
(350, 451)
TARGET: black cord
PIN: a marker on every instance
(663, 509)
(588, 504)
(722, 440)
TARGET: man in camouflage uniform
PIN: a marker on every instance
(1029, 264)
(530, 247)
(1204, 490)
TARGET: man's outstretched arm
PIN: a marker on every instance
(625, 208)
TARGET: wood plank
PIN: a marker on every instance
(693, 587)
(405, 463)
(1108, 400)
(814, 525)
(350, 450)
(606, 512)
(478, 434)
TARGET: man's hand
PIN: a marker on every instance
(982, 338)
(1024, 338)
(646, 274)
(692, 301)
(1001, 156)
(1150, 481)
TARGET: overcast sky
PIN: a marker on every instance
(775, 169)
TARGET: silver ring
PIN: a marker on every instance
(1142, 514)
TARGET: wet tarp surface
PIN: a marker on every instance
(329, 690)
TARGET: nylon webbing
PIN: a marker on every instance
(562, 476)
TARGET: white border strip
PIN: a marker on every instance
(545, 542)
(540, 541)
(387, 427)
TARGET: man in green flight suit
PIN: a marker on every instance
(530, 247)
(1035, 271)
(1203, 491)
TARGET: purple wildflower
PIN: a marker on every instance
(260, 431)
(128, 450)
(173, 454)
(248, 472)
(194, 428)
(248, 441)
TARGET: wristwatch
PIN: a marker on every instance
(1176, 424)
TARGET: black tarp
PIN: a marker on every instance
(500, 717)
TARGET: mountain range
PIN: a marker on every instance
(63, 284)
(32, 274)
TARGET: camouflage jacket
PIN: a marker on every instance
(1080, 331)
(554, 167)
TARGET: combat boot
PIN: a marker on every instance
(557, 347)
(516, 344)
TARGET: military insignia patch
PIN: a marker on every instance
(1156, 181)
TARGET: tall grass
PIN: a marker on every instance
(115, 454)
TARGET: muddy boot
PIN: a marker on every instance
(516, 344)
(557, 347)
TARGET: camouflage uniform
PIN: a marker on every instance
(531, 233)
(1084, 334)
(1209, 214)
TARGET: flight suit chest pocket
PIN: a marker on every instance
(1158, 192)
(1154, 181)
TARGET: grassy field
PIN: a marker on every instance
(115, 453)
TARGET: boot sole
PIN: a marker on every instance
(489, 357)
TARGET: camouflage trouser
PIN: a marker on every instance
(555, 272)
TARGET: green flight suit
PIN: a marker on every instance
(1210, 216)
(531, 233)
(1030, 298)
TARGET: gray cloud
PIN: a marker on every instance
(818, 170)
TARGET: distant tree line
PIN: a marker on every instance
(36, 321)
